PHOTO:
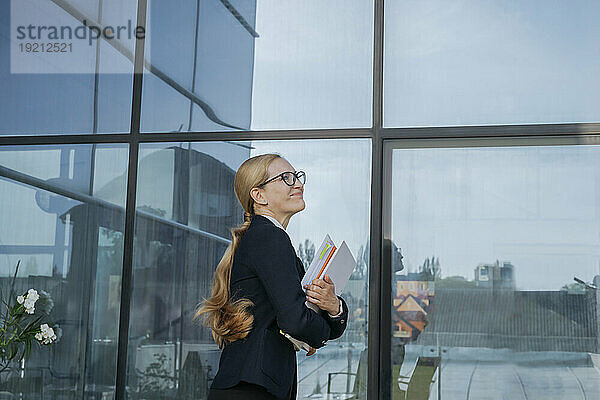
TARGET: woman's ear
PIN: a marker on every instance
(257, 197)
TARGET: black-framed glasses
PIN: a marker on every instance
(288, 177)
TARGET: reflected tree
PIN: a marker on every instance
(362, 263)
(306, 252)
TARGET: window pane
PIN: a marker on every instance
(313, 65)
(488, 62)
(179, 241)
(185, 208)
(84, 89)
(487, 242)
(224, 64)
(69, 244)
(114, 92)
(69, 167)
(256, 70)
(217, 83)
(337, 197)
(163, 108)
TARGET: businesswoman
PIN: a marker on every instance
(257, 293)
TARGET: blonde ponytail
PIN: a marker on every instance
(228, 319)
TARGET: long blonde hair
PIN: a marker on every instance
(230, 320)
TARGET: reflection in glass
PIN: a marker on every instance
(486, 62)
(70, 244)
(313, 68)
(237, 65)
(97, 100)
(185, 208)
(486, 243)
(200, 59)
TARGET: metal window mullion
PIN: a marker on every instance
(350, 133)
(481, 131)
(376, 336)
(129, 232)
(452, 132)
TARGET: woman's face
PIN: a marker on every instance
(280, 198)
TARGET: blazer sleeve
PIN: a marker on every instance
(274, 261)
(338, 324)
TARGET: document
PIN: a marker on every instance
(338, 263)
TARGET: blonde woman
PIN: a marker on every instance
(257, 292)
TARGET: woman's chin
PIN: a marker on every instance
(301, 205)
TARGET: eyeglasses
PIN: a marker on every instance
(289, 178)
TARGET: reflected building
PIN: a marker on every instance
(500, 275)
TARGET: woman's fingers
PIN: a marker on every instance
(322, 293)
(322, 283)
(313, 300)
(329, 282)
(314, 295)
(316, 289)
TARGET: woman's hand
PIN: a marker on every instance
(311, 352)
(322, 293)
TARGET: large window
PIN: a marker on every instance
(487, 244)
(62, 219)
(185, 207)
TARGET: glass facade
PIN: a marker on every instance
(467, 246)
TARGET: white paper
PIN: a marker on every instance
(340, 267)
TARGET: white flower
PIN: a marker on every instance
(48, 335)
(29, 306)
(33, 295)
(20, 299)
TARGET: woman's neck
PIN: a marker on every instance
(283, 220)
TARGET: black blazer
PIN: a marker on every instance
(267, 271)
